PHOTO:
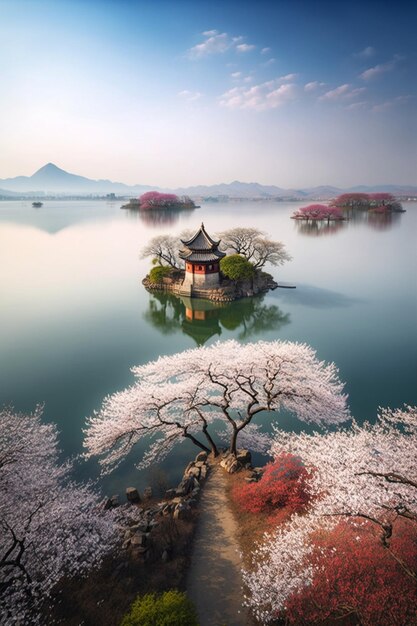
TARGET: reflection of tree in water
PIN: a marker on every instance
(203, 319)
(383, 221)
(156, 218)
(318, 228)
(356, 217)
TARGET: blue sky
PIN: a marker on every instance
(292, 93)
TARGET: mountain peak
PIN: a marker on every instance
(49, 168)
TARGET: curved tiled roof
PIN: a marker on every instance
(201, 248)
(201, 240)
(202, 257)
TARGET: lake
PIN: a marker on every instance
(75, 317)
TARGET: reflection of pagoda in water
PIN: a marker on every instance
(201, 321)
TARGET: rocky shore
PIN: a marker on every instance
(227, 291)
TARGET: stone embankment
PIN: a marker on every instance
(142, 517)
(228, 290)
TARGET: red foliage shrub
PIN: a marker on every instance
(357, 575)
(283, 484)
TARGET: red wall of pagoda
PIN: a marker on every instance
(196, 268)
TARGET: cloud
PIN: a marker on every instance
(269, 62)
(342, 92)
(259, 97)
(245, 47)
(236, 75)
(357, 105)
(315, 84)
(265, 50)
(377, 70)
(213, 44)
(335, 94)
(218, 43)
(189, 95)
(384, 106)
(366, 53)
(288, 77)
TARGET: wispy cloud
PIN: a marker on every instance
(389, 104)
(313, 86)
(342, 92)
(245, 47)
(270, 61)
(357, 105)
(265, 50)
(260, 97)
(236, 75)
(366, 53)
(381, 68)
(218, 43)
(189, 95)
(288, 77)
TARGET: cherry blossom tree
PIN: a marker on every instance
(254, 246)
(155, 200)
(366, 476)
(180, 397)
(318, 212)
(50, 526)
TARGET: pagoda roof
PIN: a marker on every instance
(201, 241)
(201, 248)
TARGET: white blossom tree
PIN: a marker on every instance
(165, 249)
(50, 526)
(367, 474)
(254, 246)
(180, 397)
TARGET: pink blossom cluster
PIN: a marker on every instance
(317, 212)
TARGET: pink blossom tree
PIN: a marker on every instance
(180, 397)
(318, 212)
(365, 475)
(50, 526)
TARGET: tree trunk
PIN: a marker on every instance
(210, 440)
(197, 443)
(233, 441)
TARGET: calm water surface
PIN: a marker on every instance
(75, 316)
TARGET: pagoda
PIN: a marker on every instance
(202, 261)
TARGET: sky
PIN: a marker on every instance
(291, 93)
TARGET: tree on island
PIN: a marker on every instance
(180, 397)
(253, 244)
(318, 212)
(50, 526)
(165, 249)
(236, 267)
(381, 201)
(362, 525)
(152, 200)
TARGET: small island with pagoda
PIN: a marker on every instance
(222, 270)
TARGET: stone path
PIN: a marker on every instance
(214, 581)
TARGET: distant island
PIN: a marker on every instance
(155, 201)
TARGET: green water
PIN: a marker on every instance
(75, 316)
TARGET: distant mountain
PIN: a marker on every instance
(51, 179)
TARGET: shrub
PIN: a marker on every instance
(356, 574)
(158, 273)
(172, 608)
(283, 484)
(236, 267)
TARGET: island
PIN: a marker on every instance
(210, 273)
(156, 201)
